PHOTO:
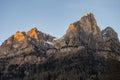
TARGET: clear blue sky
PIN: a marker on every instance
(54, 16)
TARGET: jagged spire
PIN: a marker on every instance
(87, 13)
(82, 32)
(109, 33)
(33, 33)
(86, 24)
(89, 24)
(20, 36)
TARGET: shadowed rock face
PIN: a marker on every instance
(108, 33)
(83, 53)
(110, 40)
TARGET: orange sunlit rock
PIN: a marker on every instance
(19, 36)
(33, 33)
(87, 14)
(71, 26)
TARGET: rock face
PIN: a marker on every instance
(89, 24)
(33, 33)
(81, 33)
(20, 36)
(85, 51)
(108, 33)
(110, 40)
(33, 41)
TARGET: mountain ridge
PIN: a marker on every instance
(85, 51)
(84, 33)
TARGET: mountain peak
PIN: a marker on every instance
(86, 24)
(109, 33)
(87, 13)
(20, 36)
(89, 24)
(88, 18)
(33, 33)
(80, 32)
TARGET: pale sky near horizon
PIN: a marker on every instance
(54, 16)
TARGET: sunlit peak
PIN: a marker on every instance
(19, 36)
(33, 33)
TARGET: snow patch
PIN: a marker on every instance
(48, 42)
(55, 39)
(104, 33)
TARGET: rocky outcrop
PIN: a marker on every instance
(33, 41)
(33, 33)
(110, 40)
(89, 24)
(86, 33)
(81, 33)
(20, 36)
(108, 33)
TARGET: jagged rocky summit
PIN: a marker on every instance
(32, 37)
(86, 33)
(81, 32)
(25, 43)
(85, 48)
